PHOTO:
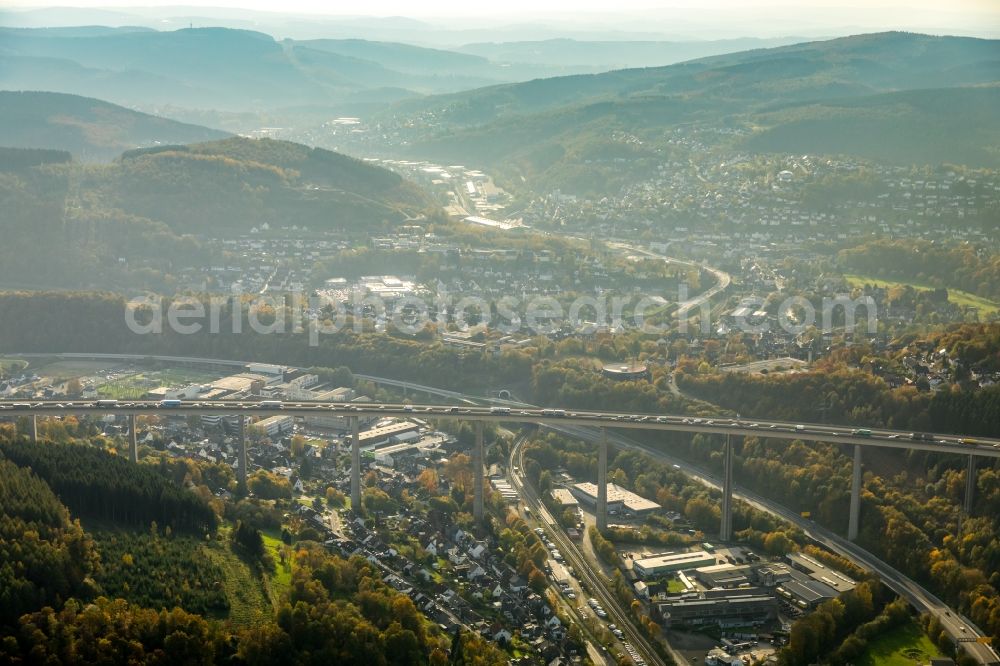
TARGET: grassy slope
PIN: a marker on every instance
(905, 646)
(956, 296)
(247, 597)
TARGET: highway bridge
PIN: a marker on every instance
(552, 417)
(591, 425)
(729, 428)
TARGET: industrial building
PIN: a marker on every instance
(818, 571)
(369, 439)
(276, 425)
(664, 563)
(619, 500)
(505, 489)
(737, 608)
(806, 593)
(723, 575)
(626, 372)
(564, 498)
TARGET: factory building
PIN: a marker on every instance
(620, 500)
(657, 565)
(737, 608)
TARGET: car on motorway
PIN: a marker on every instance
(800, 428)
(106, 403)
(170, 403)
(270, 404)
(861, 432)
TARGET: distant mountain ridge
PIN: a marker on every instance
(758, 91)
(88, 128)
(241, 69)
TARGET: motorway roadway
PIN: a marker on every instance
(921, 598)
(880, 437)
(722, 278)
(957, 626)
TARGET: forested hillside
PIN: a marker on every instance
(831, 97)
(72, 225)
(945, 266)
(44, 556)
(62, 601)
(96, 322)
(101, 486)
(90, 129)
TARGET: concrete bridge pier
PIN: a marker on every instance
(477, 475)
(602, 482)
(852, 523)
(243, 472)
(133, 440)
(355, 466)
(33, 428)
(726, 531)
(970, 485)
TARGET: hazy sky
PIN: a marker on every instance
(625, 19)
(467, 7)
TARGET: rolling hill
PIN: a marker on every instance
(606, 55)
(957, 125)
(88, 128)
(237, 183)
(757, 91)
(71, 225)
(233, 70)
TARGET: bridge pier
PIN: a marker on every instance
(852, 522)
(970, 485)
(477, 475)
(243, 473)
(355, 466)
(133, 440)
(33, 428)
(602, 482)
(726, 532)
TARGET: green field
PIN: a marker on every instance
(904, 646)
(961, 298)
(133, 387)
(181, 376)
(122, 389)
(12, 365)
(281, 579)
(247, 599)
